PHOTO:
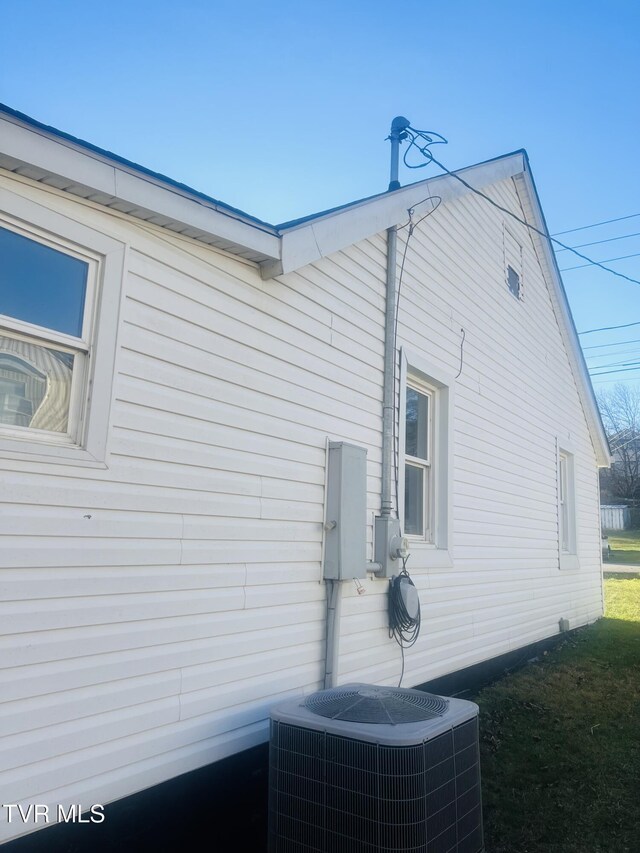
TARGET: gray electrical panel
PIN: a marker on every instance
(346, 521)
(389, 546)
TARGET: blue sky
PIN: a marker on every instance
(282, 108)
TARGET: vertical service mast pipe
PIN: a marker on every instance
(398, 127)
(388, 402)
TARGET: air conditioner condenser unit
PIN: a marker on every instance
(366, 769)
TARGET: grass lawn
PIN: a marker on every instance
(561, 741)
(625, 548)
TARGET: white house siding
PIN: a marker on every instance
(515, 401)
(151, 638)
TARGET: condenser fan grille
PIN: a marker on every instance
(384, 705)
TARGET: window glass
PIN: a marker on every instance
(513, 280)
(564, 505)
(417, 424)
(35, 385)
(414, 500)
(40, 285)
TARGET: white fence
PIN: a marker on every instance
(614, 517)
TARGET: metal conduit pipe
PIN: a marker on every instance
(388, 543)
(397, 134)
(388, 402)
(332, 637)
(387, 531)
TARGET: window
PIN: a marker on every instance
(566, 511)
(60, 293)
(513, 281)
(512, 263)
(417, 459)
(46, 299)
(425, 470)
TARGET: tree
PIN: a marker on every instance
(620, 409)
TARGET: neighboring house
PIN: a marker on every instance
(170, 372)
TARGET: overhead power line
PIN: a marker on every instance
(547, 236)
(625, 363)
(618, 380)
(599, 242)
(606, 261)
(430, 139)
(595, 224)
(633, 358)
(624, 443)
(620, 370)
(627, 355)
(616, 344)
(609, 328)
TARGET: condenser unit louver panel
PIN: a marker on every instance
(362, 769)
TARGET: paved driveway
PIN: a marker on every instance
(622, 568)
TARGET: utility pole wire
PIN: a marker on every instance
(621, 370)
(606, 261)
(599, 242)
(547, 236)
(609, 328)
(595, 224)
(615, 344)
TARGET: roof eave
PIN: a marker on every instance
(309, 240)
(56, 159)
(48, 156)
(567, 326)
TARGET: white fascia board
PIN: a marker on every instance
(306, 242)
(198, 214)
(32, 148)
(533, 211)
(63, 159)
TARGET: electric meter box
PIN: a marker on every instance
(346, 513)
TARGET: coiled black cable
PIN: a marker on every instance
(404, 612)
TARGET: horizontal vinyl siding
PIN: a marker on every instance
(515, 402)
(154, 610)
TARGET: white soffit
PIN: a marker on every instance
(307, 241)
(56, 161)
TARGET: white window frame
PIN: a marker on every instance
(85, 442)
(423, 463)
(47, 337)
(567, 521)
(433, 549)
